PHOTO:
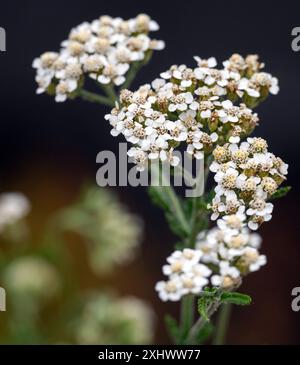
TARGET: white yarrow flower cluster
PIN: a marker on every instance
(186, 275)
(232, 250)
(193, 106)
(221, 258)
(247, 175)
(103, 49)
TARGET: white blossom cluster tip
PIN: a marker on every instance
(103, 49)
(252, 82)
(232, 250)
(193, 106)
(186, 275)
(247, 175)
(221, 258)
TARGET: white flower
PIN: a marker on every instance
(169, 156)
(181, 102)
(177, 130)
(182, 261)
(63, 88)
(227, 275)
(211, 62)
(169, 290)
(140, 157)
(244, 85)
(252, 260)
(233, 222)
(13, 207)
(192, 284)
(188, 118)
(260, 210)
(227, 179)
(229, 113)
(158, 83)
(113, 73)
(212, 76)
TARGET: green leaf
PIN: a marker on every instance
(235, 298)
(281, 192)
(174, 225)
(211, 292)
(172, 327)
(158, 197)
(179, 245)
(203, 305)
(208, 197)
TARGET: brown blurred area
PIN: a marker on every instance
(269, 320)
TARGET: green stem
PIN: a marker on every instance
(222, 324)
(194, 331)
(186, 315)
(190, 241)
(109, 91)
(177, 209)
(134, 69)
(95, 98)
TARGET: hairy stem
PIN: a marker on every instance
(109, 91)
(134, 69)
(186, 315)
(95, 98)
(222, 324)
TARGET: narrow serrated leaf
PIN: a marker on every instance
(281, 192)
(235, 298)
(158, 197)
(172, 327)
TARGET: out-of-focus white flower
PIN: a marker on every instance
(107, 319)
(31, 275)
(169, 290)
(13, 207)
(112, 234)
(227, 277)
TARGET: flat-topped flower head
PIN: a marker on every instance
(248, 175)
(186, 106)
(186, 275)
(103, 49)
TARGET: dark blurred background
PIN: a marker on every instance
(48, 150)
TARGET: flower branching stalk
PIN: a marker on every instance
(111, 95)
(209, 112)
(96, 98)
